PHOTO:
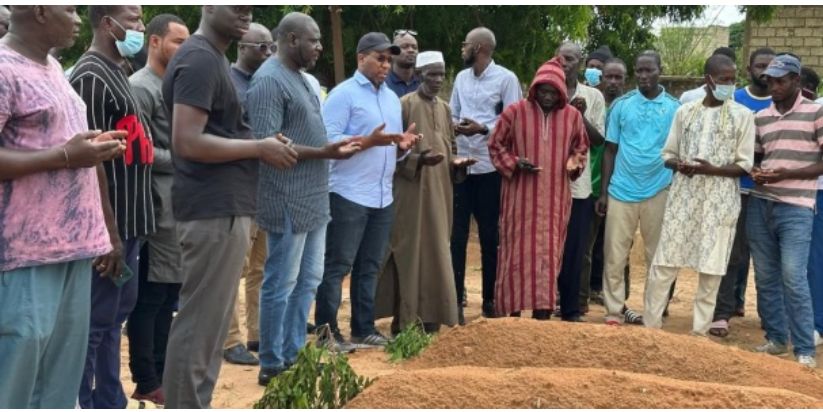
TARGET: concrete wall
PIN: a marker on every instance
(795, 29)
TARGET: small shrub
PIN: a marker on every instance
(409, 343)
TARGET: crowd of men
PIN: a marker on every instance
(133, 192)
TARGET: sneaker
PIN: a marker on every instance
(774, 349)
(340, 344)
(375, 340)
(817, 339)
(807, 361)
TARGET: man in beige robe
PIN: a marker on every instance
(417, 280)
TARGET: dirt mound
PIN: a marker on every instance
(469, 388)
(520, 343)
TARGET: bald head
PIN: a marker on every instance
(255, 47)
(572, 56)
(294, 22)
(257, 33)
(42, 28)
(483, 36)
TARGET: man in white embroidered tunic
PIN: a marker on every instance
(711, 144)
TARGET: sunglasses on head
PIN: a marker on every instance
(403, 32)
(263, 47)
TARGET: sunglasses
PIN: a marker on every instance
(403, 32)
(263, 47)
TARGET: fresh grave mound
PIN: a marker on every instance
(470, 388)
(519, 343)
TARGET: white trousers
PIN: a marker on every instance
(657, 296)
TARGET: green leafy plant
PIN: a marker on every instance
(409, 343)
(318, 380)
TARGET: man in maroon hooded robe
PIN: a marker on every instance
(539, 146)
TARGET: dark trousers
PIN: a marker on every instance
(357, 241)
(577, 237)
(149, 325)
(110, 307)
(727, 302)
(478, 196)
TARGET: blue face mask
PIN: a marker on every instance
(593, 76)
(132, 44)
(722, 92)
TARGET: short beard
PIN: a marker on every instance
(404, 65)
(760, 84)
(469, 62)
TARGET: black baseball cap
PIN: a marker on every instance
(376, 41)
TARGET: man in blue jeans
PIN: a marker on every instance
(292, 204)
(364, 108)
(781, 210)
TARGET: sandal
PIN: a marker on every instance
(719, 328)
(633, 318)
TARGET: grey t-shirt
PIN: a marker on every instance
(164, 246)
(281, 100)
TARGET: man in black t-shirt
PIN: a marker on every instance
(214, 199)
(100, 77)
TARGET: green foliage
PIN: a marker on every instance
(527, 36)
(303, 386)
(627, 30)
(737, 32)
(681, 50)
(409, 343)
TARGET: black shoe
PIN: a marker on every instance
(239, 355)
(253, 345)
(488, 309)
(266, 375)
(310, 328)
(541, 314)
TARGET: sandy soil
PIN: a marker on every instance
(237, 386)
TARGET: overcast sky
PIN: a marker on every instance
(721, 15)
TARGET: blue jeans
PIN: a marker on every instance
(44, 325)
(779, 238)
(816, 266)
(293, 270)
(357, 240)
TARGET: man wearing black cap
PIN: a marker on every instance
(365, 109)
(788, 149)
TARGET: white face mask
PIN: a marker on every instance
(722, 92)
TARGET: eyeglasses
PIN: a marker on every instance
(403, 32)
(263, 47)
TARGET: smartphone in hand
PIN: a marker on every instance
(125, 275)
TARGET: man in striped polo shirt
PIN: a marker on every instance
(781, 210)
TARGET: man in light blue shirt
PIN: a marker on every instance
(480, 94)
(364, 108)
(634, 176)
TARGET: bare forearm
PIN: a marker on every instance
(595, 137)
(208, 148)
(108, 212)
(806, 173)
(19, 163)
(607, 167)
(307, 152)
(671, 163)
(728, 171)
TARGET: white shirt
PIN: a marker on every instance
(482, 99)
(693, 94)
(595, 114)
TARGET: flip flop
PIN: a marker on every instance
(719, 328)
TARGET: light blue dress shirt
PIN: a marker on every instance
(355, 108)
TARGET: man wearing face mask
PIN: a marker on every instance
(595, 63)
(700, 92)
(710, 146)
(101, 79)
